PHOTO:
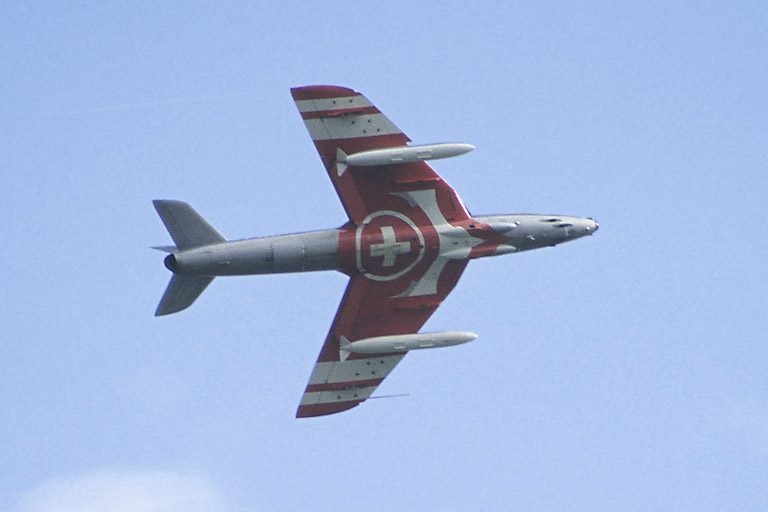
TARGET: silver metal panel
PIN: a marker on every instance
(350, 127)
(354, 369)
(357, 101)
(288, 253)
(340, 395)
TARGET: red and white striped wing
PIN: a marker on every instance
(391, 248)
(340, 118)
(370, 308)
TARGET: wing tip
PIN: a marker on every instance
(313, 410)
(314, 92)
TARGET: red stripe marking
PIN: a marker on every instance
(315, 92)
(306, 411)
(333, 386)
(356, 111)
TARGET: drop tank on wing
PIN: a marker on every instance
(406, 342)
(400, 155)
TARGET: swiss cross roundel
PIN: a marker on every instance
(388, 245)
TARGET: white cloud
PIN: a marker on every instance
(125, 491)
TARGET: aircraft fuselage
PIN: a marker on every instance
(386, 248)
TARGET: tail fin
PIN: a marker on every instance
(188, 230)
(181, 293)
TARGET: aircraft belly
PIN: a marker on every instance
(302, 252)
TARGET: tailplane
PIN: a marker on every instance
(188, 230)
(181, 293)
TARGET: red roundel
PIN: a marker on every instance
(388, 245)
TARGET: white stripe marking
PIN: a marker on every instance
(352, 370)
(350, 127)
(455, 242)
(359, 245)
(390, 247)
(325, 104)
(337, 395)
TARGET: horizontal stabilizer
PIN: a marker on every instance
(187, 228)
(165, 248)
(181, 293)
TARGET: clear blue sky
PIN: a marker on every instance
(626, 371)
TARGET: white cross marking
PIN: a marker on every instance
(390, 247)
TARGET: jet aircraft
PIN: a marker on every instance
(408, 239)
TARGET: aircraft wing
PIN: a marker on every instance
(370, 308)
(402, 216)
(338, 118)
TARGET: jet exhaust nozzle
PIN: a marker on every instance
(170, 263)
